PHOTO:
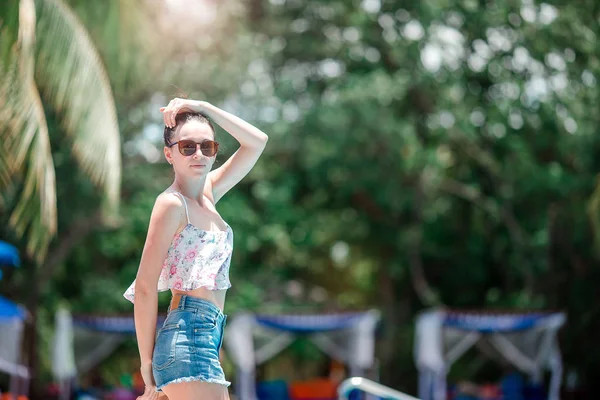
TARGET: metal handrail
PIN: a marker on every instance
(370, 387)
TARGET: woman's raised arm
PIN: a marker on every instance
(252, 142)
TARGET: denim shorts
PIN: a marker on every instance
(187, 345)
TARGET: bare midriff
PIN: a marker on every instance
(216, 297)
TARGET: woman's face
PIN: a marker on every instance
(197, 164)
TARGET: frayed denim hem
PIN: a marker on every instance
(193, 379)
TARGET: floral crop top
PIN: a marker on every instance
(196, 258)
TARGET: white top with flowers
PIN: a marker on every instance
(196, 258)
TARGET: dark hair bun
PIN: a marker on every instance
(181, 119)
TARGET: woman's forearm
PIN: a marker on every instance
(246, 134)
(144, 311)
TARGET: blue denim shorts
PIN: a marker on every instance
(187, 345)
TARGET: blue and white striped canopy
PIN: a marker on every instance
(310, 323)
(291, 323)
(109, 324)
(496, 322)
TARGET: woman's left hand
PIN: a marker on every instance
(150, 392)
(176, 106)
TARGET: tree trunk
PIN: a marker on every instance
(419, 281)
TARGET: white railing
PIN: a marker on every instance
(370, 387)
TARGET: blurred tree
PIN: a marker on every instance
(45, 48)
(48, 61)
(445, 147)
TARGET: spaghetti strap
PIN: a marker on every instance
(185, 204)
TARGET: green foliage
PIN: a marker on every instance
(451, 146)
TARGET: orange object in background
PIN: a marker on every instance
(138, 381)
(321, 389)
(9, 396)
(490, 392)
(337, 371)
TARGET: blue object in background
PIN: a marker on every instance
(272, 390)
(357, 394)
(9, 255)
(513, 386)
(535, 392)
(10, 311)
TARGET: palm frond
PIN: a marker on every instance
(72, 77)
(125, 39)
(65, 65)
(25, 139)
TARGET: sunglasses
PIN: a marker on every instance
(188, 147)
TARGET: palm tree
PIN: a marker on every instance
(47, 60)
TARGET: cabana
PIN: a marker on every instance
(12, 320)
(526, 340)
(83, 341)
(251, 340)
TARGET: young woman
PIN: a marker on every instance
(188, 250)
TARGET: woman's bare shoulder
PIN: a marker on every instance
(168, 204)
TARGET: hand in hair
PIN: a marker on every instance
(178, 105)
